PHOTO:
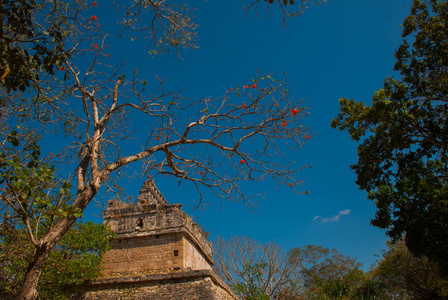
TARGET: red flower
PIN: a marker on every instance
(98, 25)
(231, 89)
(149, 176)
(254, 86)
(276, 104)
(295, 112)
(62, 68)
(307, 113)
(284, 123)
(242, 161)
(307, 136)
(117, 216)
(291, 184)
(96, 46)
(51, 153)
(243, 105)
(246, 86)
(94, 18)
(94, 3)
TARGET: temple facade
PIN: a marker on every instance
(158, 253)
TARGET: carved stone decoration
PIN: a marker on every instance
(158, 251)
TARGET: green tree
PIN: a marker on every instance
(30, 44)
(326, 273)
(57, 77)
(405, 276)
(264, 271)
(403, 146)
(75, 259)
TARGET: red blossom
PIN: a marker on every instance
(94, 3)
(62, 68)
(243, 105)
(254, 86)
(231, 89)
(117, 216)
(276, 104)
(242, 161)
(291, 184)
(307, 113)
(295, 112)
(246, 86)
(94, 18)
(284, 123)
(307, 136)
(51, 153)
(96, 46)
(98, 25)
(149, 176)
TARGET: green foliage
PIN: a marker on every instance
(326, 273)
(249, 290)
(56, 74)
(404, 276)
(264, 271)
(403, 147)
(30, 44)
(29, 184)
(75, 259)
(34, 200)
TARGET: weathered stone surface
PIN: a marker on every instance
(158, 253)
(190, 285)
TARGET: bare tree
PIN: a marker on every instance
(254, 270)
(89, 99)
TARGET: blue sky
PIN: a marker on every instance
(340, 49)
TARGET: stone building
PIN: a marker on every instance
(158, 253)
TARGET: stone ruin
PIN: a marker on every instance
(158, 253)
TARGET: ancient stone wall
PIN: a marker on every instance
(193, 257)
(158, 253)
(143, 254)
(153, 217)
(191, 285)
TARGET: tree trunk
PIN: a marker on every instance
(28, 290)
